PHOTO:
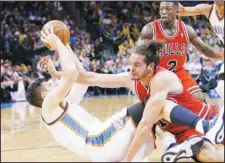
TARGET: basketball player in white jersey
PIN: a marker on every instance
(71, 126)
(100, 80)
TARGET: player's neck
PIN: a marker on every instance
(169, 24)
(146, 80)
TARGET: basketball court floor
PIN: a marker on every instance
(24, 137)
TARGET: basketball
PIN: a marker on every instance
(60, 29)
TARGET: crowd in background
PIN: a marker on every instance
(118, 24)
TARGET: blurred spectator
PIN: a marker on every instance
(194, 67)
(118, 25)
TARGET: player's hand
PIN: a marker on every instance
(47, 64)
(49, 38)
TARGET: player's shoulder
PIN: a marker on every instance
(165, 76)
(147, 31)
(149, 25)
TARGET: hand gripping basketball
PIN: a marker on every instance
(49, 38)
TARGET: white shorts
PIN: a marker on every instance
(220, 89)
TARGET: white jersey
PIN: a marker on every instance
(217, 23)
(82, 133)
(220, 85)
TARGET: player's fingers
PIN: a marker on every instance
(44, 34)
(45, 67)
(47, 60)
(44, 40)
(44, 61)
(52, 29)
(41, 61)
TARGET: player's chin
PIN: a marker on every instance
(165, 21)
(135, 78)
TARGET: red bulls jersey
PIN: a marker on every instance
(183, 98)
(173, 55)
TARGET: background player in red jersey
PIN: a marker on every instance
(176, 36)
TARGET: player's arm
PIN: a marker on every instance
(160, 87)
(201, 46)
(46, 61)
(91, 78)
(77, 62)
(51, 67)
(69, 71)
(201, 9)
(105, 80)
(147, 32)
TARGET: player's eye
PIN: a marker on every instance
(137, 65)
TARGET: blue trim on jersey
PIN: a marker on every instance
(95, 139)
(74, 125)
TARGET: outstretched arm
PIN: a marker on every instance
(105, 80)
(91, 78)
(201, 9)
(201, 46)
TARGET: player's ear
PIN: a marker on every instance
(151, 66)
(43, 94)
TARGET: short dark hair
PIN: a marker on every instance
(175, 3)
(33, 94)
(150, 50)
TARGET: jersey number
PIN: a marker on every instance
(172, 64)
(163, 123)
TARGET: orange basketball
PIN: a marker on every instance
(60, 29)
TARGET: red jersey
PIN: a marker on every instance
(183, 98)
(174, 54)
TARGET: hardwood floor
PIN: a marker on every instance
(24, 137)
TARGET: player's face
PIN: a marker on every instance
(167, 12)
(138, 68)
(47, 86)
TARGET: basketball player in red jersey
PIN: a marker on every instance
(139, 81)
(163, 83)
(176, 36)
